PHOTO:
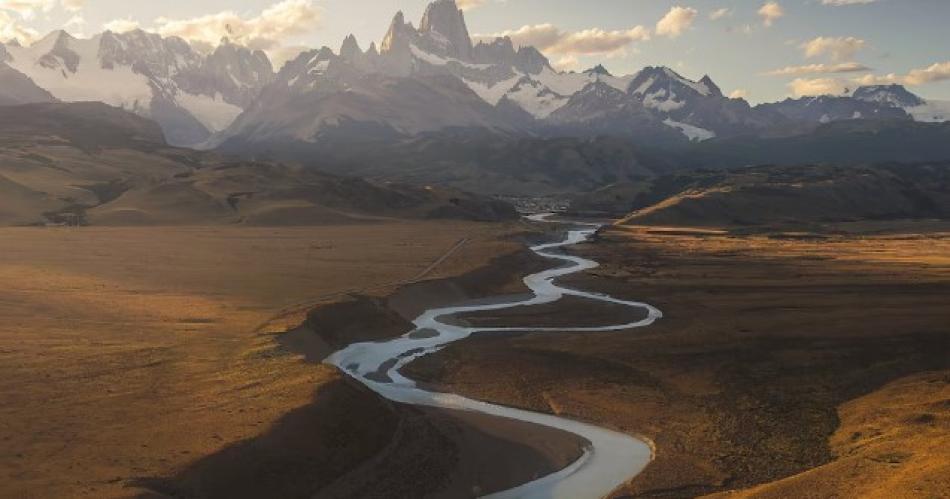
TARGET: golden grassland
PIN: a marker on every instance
(893, 441)
(892, 444)
(131, 352)
(787, 365)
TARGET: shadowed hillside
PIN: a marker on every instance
(94, 164)
(772, 195)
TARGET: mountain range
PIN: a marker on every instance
(419, 80)
(405, 109)
(432, 78)
(190, 94)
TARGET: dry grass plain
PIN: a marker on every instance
(128, 353)
(785, 365)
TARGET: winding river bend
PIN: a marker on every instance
(610, 458)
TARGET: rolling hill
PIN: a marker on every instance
(94, 164)
(792, 196)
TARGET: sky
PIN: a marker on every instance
(763, 50)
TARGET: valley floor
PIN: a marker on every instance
(132, 354)
(820, 359)
(148, 362)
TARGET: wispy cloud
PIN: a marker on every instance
(551, 39)
(845, 67)
(720, 13)
(268, 30)
(837, 48)
(840, 3)
(934, 73)
(801, 87)
(12, 29)
(470, 4)
(74, 5)
(27, 9)
(820, 86)
(739, 93)
(16, 15)
(121, 25)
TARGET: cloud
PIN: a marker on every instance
(839, 3)
(739, 93)
(566, 63)
(820, 86)
(719, 14)
(771, 12)
(598, 41)
(27, 9)
(845, 67)
(11, 29)
(837, 48)
(594, 41)
(73, 5)
(934, 73)
(75, 22)
(470, 4)
(121, 25)
(267, 31)
(801, 87)
(676, 21)
(540, 36)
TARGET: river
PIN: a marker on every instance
(610, 458)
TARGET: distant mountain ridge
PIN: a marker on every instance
(337, 110)
(352, 93)
(419, 81)
(190, 94)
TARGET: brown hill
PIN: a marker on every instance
(95, 164)
(794, 196)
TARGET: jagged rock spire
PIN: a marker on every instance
(446, 21)
(350, 50)
(395, 35)
(442, 32)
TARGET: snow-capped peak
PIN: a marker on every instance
(189, 93)
(651, 80)
(897, 96)
(891, 95)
